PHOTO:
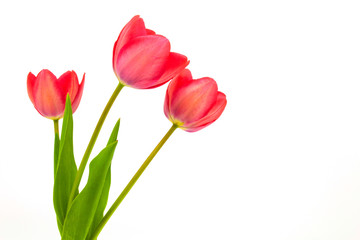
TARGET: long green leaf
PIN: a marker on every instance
(99, 213)
(66, 167)
(82, 211)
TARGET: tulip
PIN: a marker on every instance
(193, 104)
(48, 93)
(142, 59)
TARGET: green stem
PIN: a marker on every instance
(131, 183)
(56, 145)
(56, 126)
(92, 143)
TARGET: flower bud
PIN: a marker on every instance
(193, 104)
(142, 59)
(48, 93)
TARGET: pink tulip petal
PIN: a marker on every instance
(174, 85)
(47, 97)
(134, 28)
(142, 59)
(174, 65)
(31, 79)
(166, 107)
(194, 100)
(210, 117)
(150, 32)
(77, 98)
(68, 83)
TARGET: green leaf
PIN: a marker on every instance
(84, 207)
(66, 167)
(99, 213)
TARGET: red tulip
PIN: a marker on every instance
(48, 93)
(142, 59)
(193, 104)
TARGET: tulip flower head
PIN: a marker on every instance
(193, 104)
(142, 59)
(48, 93)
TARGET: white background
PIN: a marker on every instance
(282, 162)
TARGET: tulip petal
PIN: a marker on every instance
(210, 117)
(175, 64)
(47, 96)
(78, 96)
(134, 28)
(68, 83)
(142, 59)
(150, 32)
(193, 99)
(166, 106)
(31, 79)
(174, 85)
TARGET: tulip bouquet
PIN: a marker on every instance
(141, 59)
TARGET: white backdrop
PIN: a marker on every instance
(282, 162)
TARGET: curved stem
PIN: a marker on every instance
(92, 143)
(131, 183)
